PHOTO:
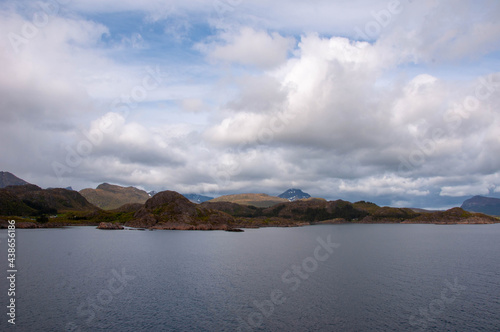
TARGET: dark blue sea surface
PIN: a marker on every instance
(315, 278)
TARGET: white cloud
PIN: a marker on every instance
(260, 109)
(331, 119)
(318, 96)
(384, 185)
(135, 41)
(443, 31)
(401, 204)
(192, 105)
(250, 47)
(464, 190)
(48, 68)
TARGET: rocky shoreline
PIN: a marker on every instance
(109, 225)
(33, 224)
(241, 227)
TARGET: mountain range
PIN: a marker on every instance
(115, 206)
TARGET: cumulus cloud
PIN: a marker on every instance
(133, 143)
(321, 87)
(258, 97)
(318, 124)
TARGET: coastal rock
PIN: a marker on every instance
(26, 224)
(4, 224)
(234, 230)
(109, 225)
(190, 227)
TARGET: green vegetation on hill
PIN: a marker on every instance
(306, 210)
(11, 205)
(30, 200)
(107, 196)
(310, 211)
(454, 215)
(234, 209)
(315, 210)
(366, 206)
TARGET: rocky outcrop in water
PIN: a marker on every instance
(109, 225)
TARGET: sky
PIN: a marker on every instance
(394, 102)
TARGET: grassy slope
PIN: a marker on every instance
(108, 197)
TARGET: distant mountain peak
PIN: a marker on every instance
(196, 198)
(294, 194)
(9, 179)
(482, 204)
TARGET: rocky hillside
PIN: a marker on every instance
(107, 196)
(315, 210)
(257, 200)
(171, 210)
(234, 209)
(33, 200)
(486, 205)
(9, 179)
